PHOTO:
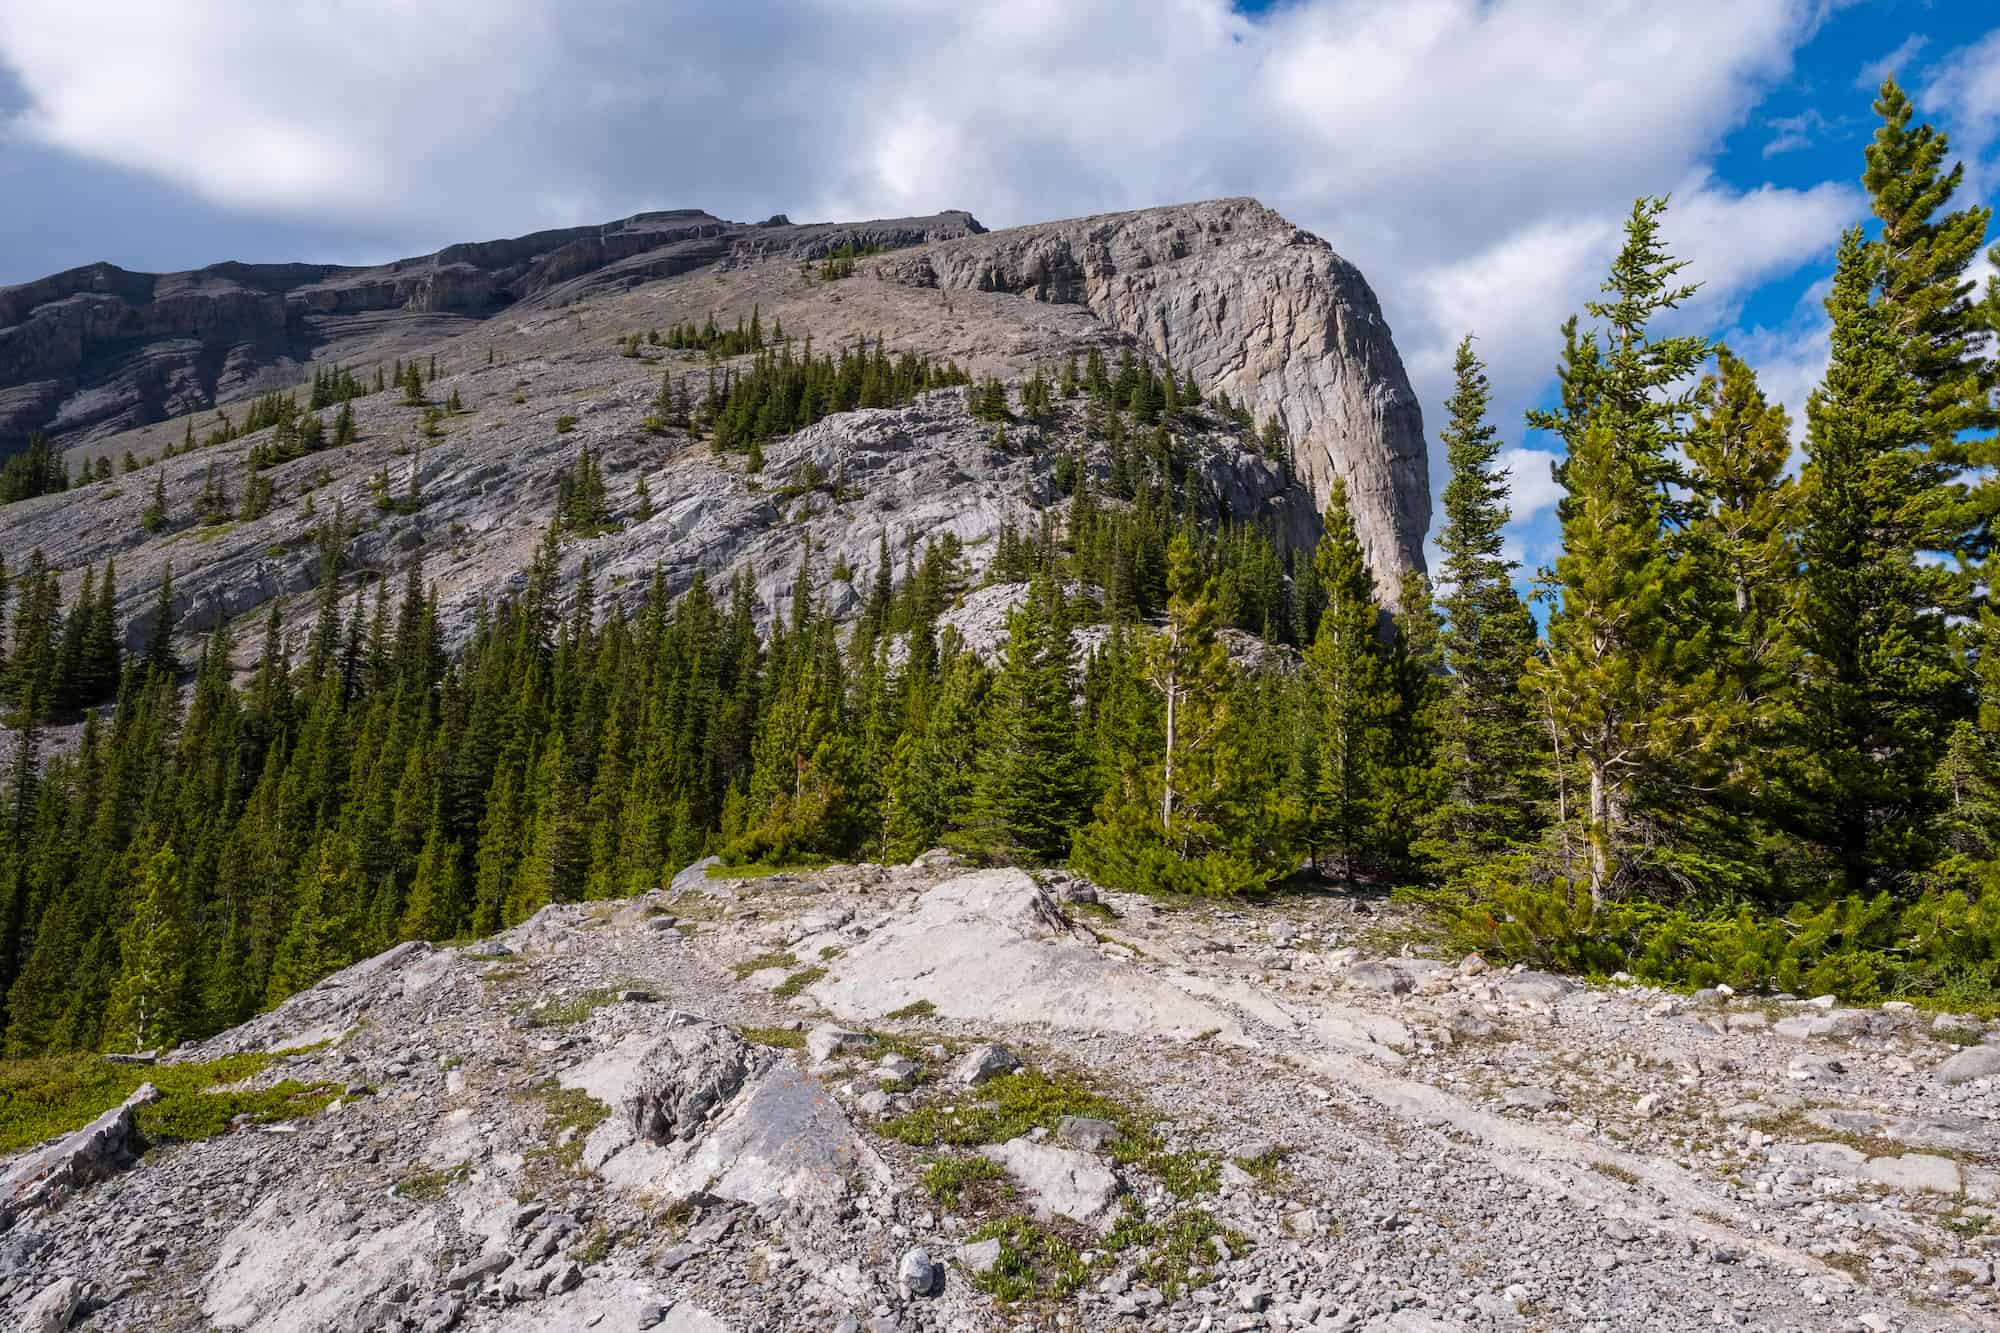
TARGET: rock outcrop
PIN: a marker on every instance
(1253, 306)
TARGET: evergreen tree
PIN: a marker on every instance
(1878, 683)
(1194, 818)
(147, 1003)
(1628, 681)
(1357, 699)
(1493, 760)
(1742, 533)
(1031, 788)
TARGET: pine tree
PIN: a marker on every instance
(1493, 759)
(1628, 682)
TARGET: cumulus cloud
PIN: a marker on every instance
(1474, 157)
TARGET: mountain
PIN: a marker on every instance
(532, 336)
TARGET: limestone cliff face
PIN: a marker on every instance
(1252, 305)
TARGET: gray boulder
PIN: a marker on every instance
(684, 1079)
(55, 1306)
(1971, 1063)
(984, 1062)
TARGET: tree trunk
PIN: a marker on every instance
(1600, 833)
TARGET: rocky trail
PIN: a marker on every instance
(925, 1098)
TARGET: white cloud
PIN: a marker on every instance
(1532, 486)
(1474, 157)
(1794, 132)
(1898, 61)
(1965, 88)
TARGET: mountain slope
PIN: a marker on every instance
(1228, 292)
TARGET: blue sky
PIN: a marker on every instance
(1474, 157)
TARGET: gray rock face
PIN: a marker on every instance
(1252, 305)
(689, 1074)
(74, 1160)
(98, 349)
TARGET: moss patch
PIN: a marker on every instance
(921, 1009)
(1036, 1262)
(569, 1115)
(1178, 1250)
(563, 1012)
(1011, 1105)
(763, 962)
(427, 1185)
(783, 1038)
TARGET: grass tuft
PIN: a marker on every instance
(797, 982)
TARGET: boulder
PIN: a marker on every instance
(1380, 978)
(1086, 1132)
(55, 1306)
(916, 1273)
(979, 1256)
(688, 1075)
(984, 1062)
(1971, 1063)
(827, 1042)
(1543, 988)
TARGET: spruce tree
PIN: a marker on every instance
(1193, 817)
(147, 1003)
(1742, 536)
(1031, 780)
(1493, 759)
(1356, 698)
(1879, 683)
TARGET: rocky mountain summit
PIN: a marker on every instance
(919, 1097)
(532, 340)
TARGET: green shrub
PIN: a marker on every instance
(1941, 948)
